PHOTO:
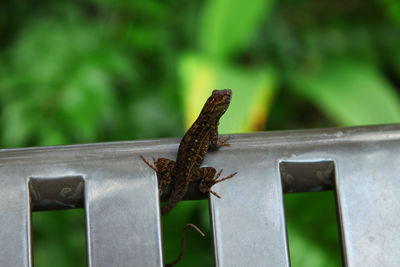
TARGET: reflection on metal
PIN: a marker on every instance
(119, 194)
(307, 176)
(55, 193)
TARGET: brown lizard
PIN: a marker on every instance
(201, 137)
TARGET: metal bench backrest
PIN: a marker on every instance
(120, 197)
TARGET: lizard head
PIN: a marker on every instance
(218, 103)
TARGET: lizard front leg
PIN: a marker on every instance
(215, 141)
(163, 167)
(207, 178)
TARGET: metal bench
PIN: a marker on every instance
(120, 197)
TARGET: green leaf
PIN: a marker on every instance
(392, 8)
(228, 25)
(350, 93)
(59, 83)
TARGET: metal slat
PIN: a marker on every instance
(14, 219)
(122, 211)
(248, 221)
(368, 182)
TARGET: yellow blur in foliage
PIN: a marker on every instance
(252, 93)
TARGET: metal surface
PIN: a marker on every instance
(121, 200)
(119, 193)
(368, 182)
(248, 222)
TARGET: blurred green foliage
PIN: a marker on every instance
(98, 70)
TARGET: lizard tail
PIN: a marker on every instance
(183, 243)
(178, 192)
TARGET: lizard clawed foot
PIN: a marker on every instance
(160, 185)
(205, 185)
(163, 168)
(212, 192)
(216, 181)
(148, 163)
(223, 141)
